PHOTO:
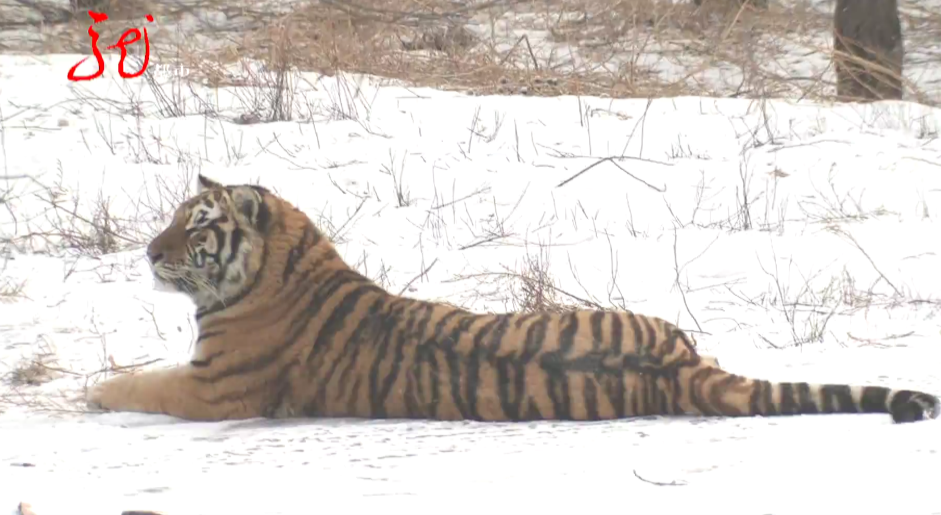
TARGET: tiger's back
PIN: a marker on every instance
(287, 328)
(414, 359)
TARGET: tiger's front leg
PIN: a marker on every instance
(174, 391)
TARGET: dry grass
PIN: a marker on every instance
(534, 290)
(528, 287)
(621, 48)
(11, 289)
(39, 368)
(89, 228)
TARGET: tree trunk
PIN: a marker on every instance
(867, 50)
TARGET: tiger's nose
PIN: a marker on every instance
(153, 254)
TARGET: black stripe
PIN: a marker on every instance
(591, 398)
(618, 397)
(281, 390)
(517, 363)
(649, 363)
(235, 241)
(754, 400)
(874, 399)
(652, 338)
(303, 284)
(281, 384)
(328, 286)
(203, 335)
(336, 320)
(637, 334)
(427, 352)
(354, 396)
(767, 398)
(706, 398)
(673, 373)
(262, 190)
(413, 403)
(597, 332)
(377, 394)
(332, 325)
(263, 219)
(788, 403)
(493, 350)
(617, 334)
(718, 388)
(535, 339)
(350, 353)
(509, 405)
(472, 377)
(837, 399)
(553, 365)
(804, 398)
(532, 411)
(365, 329)
(298, 251)
(521, 319)
(207, 361)
(235, 299)
(454, 362)
(636, 403)
(430, 404)
(566, 344)
(405, 337)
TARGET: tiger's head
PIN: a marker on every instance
(212, 249)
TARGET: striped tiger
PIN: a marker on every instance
(288, 329)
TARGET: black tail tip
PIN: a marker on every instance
(908, 406)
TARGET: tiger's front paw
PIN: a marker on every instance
(110, 394)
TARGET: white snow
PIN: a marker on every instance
(796, 241)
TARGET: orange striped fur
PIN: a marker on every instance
(288, 329)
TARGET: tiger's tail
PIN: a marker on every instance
(720, 393)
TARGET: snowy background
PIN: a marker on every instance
(795, 240)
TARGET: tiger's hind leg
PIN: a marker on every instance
(709, 361)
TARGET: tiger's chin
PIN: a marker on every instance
(201, 296)
(178, 286)
(164, 286)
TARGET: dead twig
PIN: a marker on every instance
(657, 483)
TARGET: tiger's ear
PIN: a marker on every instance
(249, 203)
(204, 183)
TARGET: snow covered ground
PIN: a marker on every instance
(654, 46)
(793, 240)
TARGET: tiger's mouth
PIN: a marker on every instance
(172, 286)
(173, 280)
(162, 284)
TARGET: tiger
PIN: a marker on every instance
(287, 329)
